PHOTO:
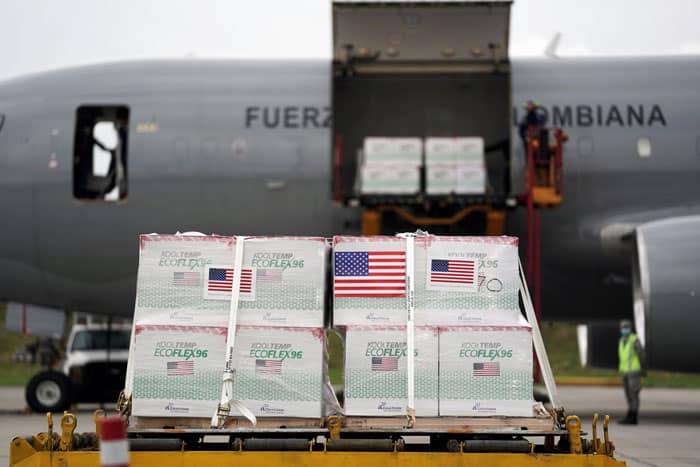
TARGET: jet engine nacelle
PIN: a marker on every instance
(666, 285)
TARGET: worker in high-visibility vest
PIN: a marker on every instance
(632, 367)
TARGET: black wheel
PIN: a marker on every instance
(48, 391)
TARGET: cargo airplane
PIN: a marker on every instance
(90, 157)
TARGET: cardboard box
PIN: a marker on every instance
(466, 281)
(440, 150)
(469, 150)
(486, 371)
(382, 150)
(390, 179)
(455, 178)
(472, 179)
(177, 370)
(458, 281)
(172, 276)
(187, 280)
(375, 371)
(365, 292)
(280, 371)
(288, 283)
(446, 150)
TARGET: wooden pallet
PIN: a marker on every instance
(356, 424)
(451, 424)
(154, 423)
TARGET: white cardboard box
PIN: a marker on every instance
(440, 150)
(365, 292)
(171, 279)
(288, 283)
(390, 178)
(375, 371)
(462, 281)
(486, 371)
(443, 178)
(469, 150)
(384, 150)
(280, 371)
(177, 370)
(187, 280)
(448, 150)
(487, 294)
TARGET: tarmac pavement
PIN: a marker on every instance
(668, 434)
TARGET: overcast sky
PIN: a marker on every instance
(37, 35)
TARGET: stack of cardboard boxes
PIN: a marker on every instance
(455, 165)
(180, 325)
(473, 351)
(394, 166)
(391, 166)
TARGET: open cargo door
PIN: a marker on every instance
(421, 70)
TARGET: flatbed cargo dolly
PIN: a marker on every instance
(548, 438)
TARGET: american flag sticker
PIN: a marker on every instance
(448, 274)
(182, 368)
(385, 363)
(187, 279)
(268, 367)
(269, 275)
(219, 283)
(486, 369)
(369, 274)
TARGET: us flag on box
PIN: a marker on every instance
(219, 283)
(487, 369)
(186, 279)
(370, 273)
(182, 368)
(385, 364)
(452, 274)
(268, 367)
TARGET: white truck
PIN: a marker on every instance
(93, 370)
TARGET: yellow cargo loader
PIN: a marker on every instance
(548, 438)
(334, 445)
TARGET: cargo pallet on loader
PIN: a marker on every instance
(549, 438)
(332, 445)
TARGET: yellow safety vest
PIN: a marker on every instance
(629, 360)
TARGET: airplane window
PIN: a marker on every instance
(100, 153)
(644, 147)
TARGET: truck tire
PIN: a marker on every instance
(48, 391)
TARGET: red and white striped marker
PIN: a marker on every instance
(114, 447)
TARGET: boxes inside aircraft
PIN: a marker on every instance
(440, 74)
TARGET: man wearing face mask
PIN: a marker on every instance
(632, 368)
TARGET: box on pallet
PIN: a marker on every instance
(390, 178)
(171, 279)
(288, 281)
(382, 150)
(188, 280)
(485, 371)
(369, 276)
(455, 178)
(466, 280)
(280, 371)
(178, 370)
(463, 150)
(458, 280)
(375, 371)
